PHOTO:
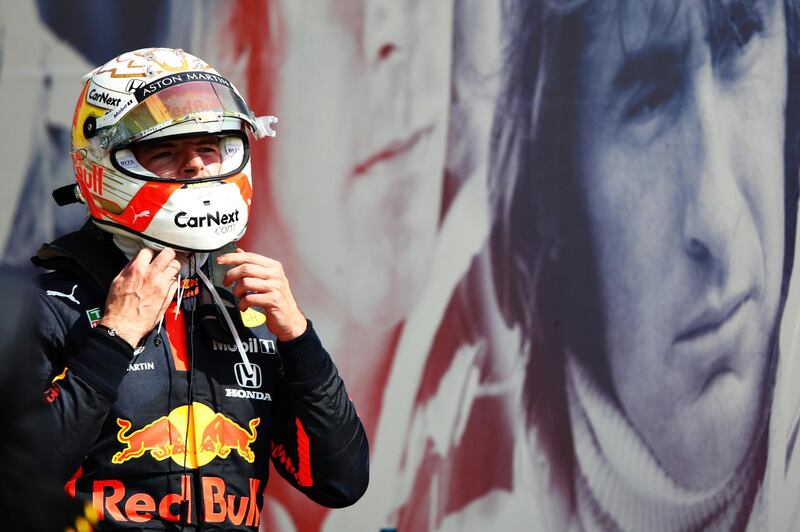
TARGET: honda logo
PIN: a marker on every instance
(248, 376)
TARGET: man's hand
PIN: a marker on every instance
(140, 294)
(261, 281)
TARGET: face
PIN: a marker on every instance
(181, 158)
(680, 149)
(358, 162)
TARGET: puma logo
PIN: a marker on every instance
(70, 296)
(137, 215)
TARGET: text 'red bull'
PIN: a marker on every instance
(112, 501)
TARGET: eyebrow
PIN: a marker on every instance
(726, 18)
(649, 62)
(736, 7)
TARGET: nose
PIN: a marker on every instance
(193, 164)
(385, 27)
(715, 202)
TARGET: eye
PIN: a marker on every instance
(744, 22)
(160, 156)
(745, 30)
(736, 35)
(651, 99)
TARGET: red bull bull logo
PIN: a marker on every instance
(222, 435)
(192, 435)
(160, 437)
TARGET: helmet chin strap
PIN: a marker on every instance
(130, 246)
(221, 305)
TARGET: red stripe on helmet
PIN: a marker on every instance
(241, 181)
(140, 210)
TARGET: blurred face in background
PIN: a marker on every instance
(680, 149)
(356, 178)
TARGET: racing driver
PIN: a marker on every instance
(177, 364)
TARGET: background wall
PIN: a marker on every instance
(454, 198)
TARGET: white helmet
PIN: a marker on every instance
(156, 93)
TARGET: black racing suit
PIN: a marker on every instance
(122, 417)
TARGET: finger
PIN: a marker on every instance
(173, 267)
(173, 288)
(163, 258)
(267, 301)
(242, 257)
(237, 257)
(253, 300)
(144, 257)
(171, 270)
(254, 285)
(248, 270)
(140, 263)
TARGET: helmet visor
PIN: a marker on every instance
(189, 157)
(205, 103)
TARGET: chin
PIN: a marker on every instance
(716, 435)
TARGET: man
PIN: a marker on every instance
(170, 396)
(644, 216)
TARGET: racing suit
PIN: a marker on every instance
(177, 435)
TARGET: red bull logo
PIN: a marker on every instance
(223, 435)
(92, 180)
(160, 437)
(52, 394)
(192, 435)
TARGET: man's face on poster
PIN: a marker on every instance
(680, 164)
(363, 99)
